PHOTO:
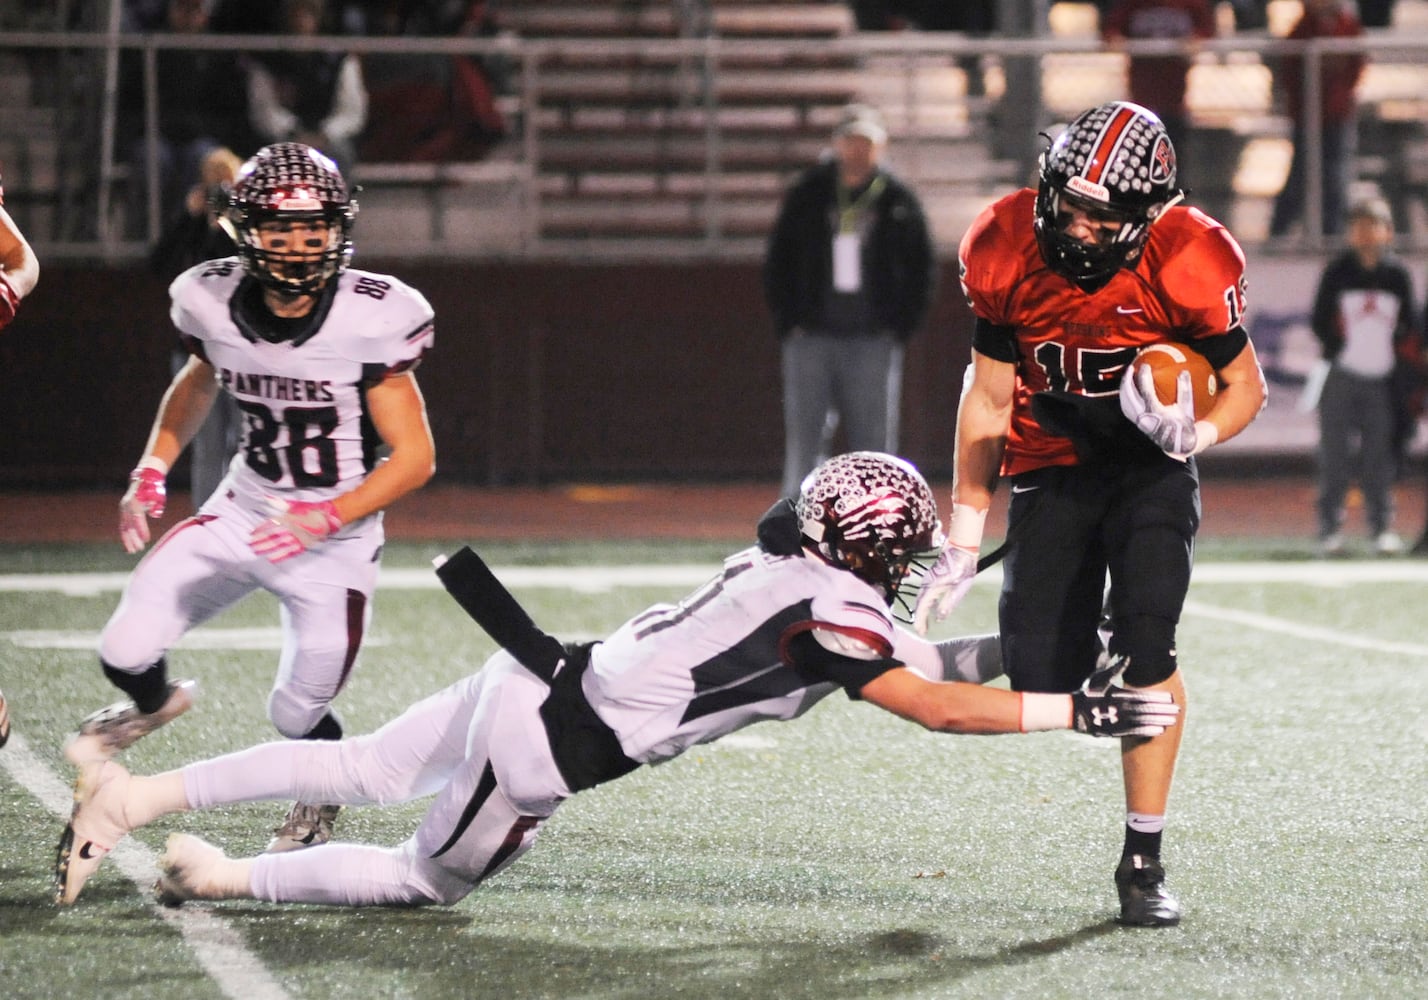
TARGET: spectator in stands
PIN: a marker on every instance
(430, 108)
(316, 98)
(19, 268)
(1376, 13)
(200, 107)
(848, 277)
(1337, 115)
(1158, 82)
(1364, 320)
(194, 235)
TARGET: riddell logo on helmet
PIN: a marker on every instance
(1088, 189)
(301, 200)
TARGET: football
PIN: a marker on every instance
(1167, 361)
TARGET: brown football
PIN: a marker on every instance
(1168, 360)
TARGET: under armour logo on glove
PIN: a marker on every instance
(295, 527)
(1104, 707)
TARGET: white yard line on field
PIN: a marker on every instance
(598, 579)
(1300, 630)
(217, 947)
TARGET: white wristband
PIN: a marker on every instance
(1206, 434)
(964, 527)
(1040, 712)
(153, 462)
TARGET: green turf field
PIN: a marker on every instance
(844, 855)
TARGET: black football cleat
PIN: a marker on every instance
(1140, 880)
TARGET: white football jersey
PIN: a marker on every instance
(306, 432)
(679, 675)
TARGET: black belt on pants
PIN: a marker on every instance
(586, 750)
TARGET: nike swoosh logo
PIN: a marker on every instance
(1024, 489)
(84, 851)
(1128, 312)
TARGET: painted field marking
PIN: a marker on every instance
(216, 946)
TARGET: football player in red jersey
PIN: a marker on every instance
(1067, 283)
(19, 268)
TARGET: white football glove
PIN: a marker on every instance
(1173, 428)
(946, 583)
(949, 579)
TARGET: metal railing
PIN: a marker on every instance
(1021, 86)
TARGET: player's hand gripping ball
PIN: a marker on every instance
(1166, 361)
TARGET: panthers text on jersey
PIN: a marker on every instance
(728, 655)
(306, 433)
(1188, 285)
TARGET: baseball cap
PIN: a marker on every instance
(1375, 209)
(861, 119)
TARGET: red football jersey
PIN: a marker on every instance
(1188, 285)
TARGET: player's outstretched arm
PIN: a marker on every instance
(1101, 708)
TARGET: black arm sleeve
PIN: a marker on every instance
(1222, 348)
(996, 342)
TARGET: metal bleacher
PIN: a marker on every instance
(670, 127)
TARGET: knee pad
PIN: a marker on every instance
(298, 718)
(1149, 643)
(127, 650)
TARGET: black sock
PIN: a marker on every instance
(1140, 842)
(149, 688)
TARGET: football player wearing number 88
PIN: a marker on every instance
(319, 358)
(1068, 283)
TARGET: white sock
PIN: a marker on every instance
(1145, 822)
(152, 797)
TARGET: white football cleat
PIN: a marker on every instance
(109, 730)
(306, 825)
(95, 826)
(187, 870)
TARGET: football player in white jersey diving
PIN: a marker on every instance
(319, 357)
(804, 613)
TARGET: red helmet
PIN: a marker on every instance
(874, 515)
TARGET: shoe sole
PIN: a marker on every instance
(1125, 921)
(96, 745)
(74, 868)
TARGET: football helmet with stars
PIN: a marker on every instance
(874, 515)
(289, 183)
(1115, 160)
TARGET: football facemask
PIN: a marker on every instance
(282, 199)
(1117, 161)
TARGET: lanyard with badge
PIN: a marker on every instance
(847, 243)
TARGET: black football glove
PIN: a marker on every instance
(1103, 707)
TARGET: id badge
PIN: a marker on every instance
(847, 262)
